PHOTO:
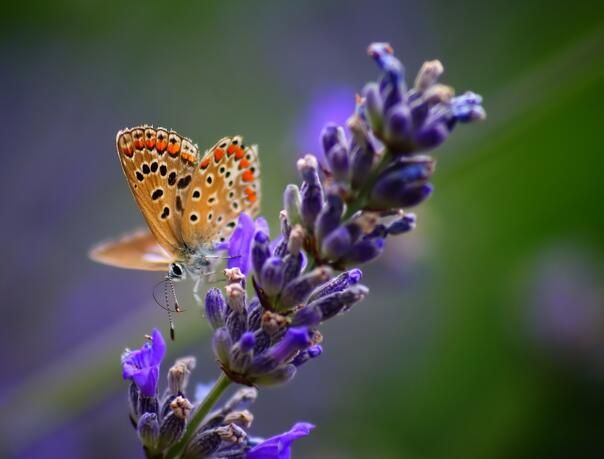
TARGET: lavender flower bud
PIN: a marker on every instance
(279, 376)
(307, 317)
(241, 353)
(362, 152)
(466, 108)
(403, 186)
(272, 276)
(337, 243)
(171, 430)
(133, 400)
(294, 340)
(310, 353)
(428, 74)
(235, 297)
(403, 225)
(366, 250)
(263, 341)
(375, 106)
(236, 324)
(331, 135)
(438, 94)
(242, 419)
(337, 284)
(291, 202)
(338, 161)
(292, 266)
(312, 202)
(336, 150)
(254, 315)
(147, 429)
(178, 374)
(148, 404)
(173, 425)
(308, 167)
(398, 125)
(296, 240)
(221, 343)
(335, 303)
(299, 289)
(329, 217)
(204, 444)
(431, 135)
(260, 251)
(215, 307)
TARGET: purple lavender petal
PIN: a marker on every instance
(240, 244)
(279, 446)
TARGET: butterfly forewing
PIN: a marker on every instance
(159, 166)
(225, 183)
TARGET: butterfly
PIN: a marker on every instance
(190, 201)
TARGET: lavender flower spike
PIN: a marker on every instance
(142, 365)
(279, 446)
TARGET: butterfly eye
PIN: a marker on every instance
(176, 272)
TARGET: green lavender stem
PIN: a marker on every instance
(204, 408)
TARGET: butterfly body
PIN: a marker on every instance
(190, 201)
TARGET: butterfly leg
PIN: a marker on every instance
(196, 291)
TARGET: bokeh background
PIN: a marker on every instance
(484, 333)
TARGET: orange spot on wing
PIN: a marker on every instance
(218, 154)
(124, 145)
(150, 138)
(231, 149)
(187, 157)
(138, 139)
(204, 164)
(251, 194)
(244, 163)
(173, 149)
(162, 142)
(247, 176)
(127, 150)
(239, 153)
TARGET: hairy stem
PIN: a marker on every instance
(204, 408)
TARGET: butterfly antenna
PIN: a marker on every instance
(165, 305)
(170, 320)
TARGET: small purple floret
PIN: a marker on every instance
(142, 365)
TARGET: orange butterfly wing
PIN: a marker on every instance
(159, 167)
(226, 182)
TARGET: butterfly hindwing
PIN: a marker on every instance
(159, 166)
(226, 182)
(138, 250)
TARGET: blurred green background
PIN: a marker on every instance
(484, 333)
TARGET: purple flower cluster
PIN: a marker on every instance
(263, 341)
(338, 218)
(378, 171)
(161, 421)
